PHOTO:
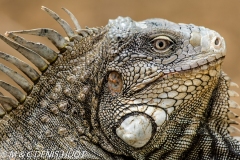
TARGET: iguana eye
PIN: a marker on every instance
(162, 43)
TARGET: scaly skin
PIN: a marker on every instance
(148, 90)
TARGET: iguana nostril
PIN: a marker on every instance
(135, 130)
(217, 41)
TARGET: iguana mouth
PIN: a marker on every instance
(200, 67)
(165, 74)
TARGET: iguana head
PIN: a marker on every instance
(158, 75)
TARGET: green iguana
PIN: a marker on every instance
(152, 89)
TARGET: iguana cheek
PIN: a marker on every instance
(137, 130)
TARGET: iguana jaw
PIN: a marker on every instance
(143, 118)
(137, 130)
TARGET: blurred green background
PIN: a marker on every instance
(222, 16)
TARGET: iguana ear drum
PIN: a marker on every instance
(115, 83)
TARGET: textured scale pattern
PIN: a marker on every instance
(143, 90)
